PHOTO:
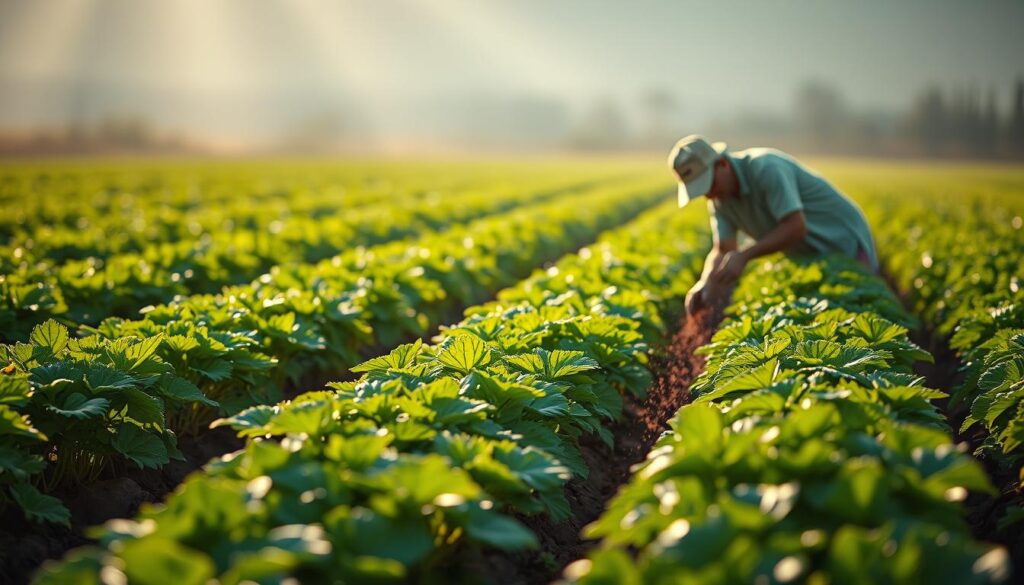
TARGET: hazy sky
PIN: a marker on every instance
(224, 64)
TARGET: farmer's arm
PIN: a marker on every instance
(786, 208)
(724, 242)
(713, 261)
(791, 231)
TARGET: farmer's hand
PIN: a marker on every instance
(695, 298)
(730, 270)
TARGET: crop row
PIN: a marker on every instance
(392, 475)
(960, 268)
(199, 250)
(810, 453)
(76, 408)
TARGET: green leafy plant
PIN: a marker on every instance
(388, 476)
(810, 453)
(73, 408)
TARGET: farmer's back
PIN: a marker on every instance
(773, 185)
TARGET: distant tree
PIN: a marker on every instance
(660, 106)
(603, 127)
(1016, 128)
(929, 120)
(821, 115)
(990, 124)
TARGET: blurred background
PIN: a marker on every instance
(915, 78)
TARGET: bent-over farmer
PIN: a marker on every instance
(766, 194)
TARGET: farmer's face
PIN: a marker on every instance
(723, 184)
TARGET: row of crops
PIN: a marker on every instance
(135, 241)
(960, 268)
(810, 451)
(130, 387)
(435, 444)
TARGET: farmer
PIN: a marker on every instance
(769, 196)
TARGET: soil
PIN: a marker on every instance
(675, 367)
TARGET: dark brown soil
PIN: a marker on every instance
(675, 366)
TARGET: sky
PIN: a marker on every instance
(248, 68)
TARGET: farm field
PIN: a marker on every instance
(481, 372)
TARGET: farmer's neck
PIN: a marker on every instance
(724, 185)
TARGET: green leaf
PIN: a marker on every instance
(402, 356)
(499, 393)
(14, 388)
(181, 390)
(561, 363)
(13, 422)
(537, 469)
(139, 352)
(464, 354)
(489, 527)
(216, 370)
(20, 463)
(51, 335)
(142, 407)
(38, 506)
(760, 377)
(153, 560)
(841, 357)
(310, 417)
(700, 425)
(552, 405)
(876, 330)
(146, 449)
(101, 377)
(81, 566)
(77, 406)
(251, 422)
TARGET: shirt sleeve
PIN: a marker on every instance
(781, 191)
(721, 227)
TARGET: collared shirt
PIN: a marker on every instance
(773, 185)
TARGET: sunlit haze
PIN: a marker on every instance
(403, 74)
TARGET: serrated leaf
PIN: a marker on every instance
(552, 405)
(141, 406)
(139, 352)
(14, 388)
(79, 407)
(146, 449)
(101, 377)
(402, 356)
(499, 393)
(760, 377)
(216, 370)
(181, 390)
(51, 335)
(464, 354)
(562, 363)
(38, 506)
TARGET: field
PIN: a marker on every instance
(376, 372)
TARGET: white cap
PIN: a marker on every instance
(693, 160)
